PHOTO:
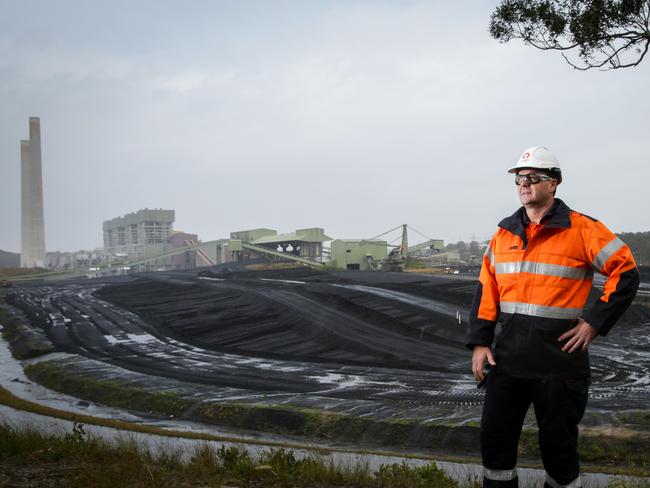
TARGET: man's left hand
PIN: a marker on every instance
(581, 336)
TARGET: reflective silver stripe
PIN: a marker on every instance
(507, 268)
(489, 254)
(576, 483)
(540, 310)
(606, 252)
(544, 269)
(500, 474)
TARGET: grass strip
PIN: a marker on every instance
(9, 399)
(24, 340)
(81, 460)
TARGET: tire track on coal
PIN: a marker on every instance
(347, 326)
(140, 359)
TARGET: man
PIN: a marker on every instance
(536, 277)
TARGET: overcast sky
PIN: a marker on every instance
(355, 116)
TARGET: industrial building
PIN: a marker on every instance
(358, 254)
(305, 243)
(138, 234)
(191, 258)
(85, 259)
(248, 236)
(431, 247)
(32, 228)
(150, 232)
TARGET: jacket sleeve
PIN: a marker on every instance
(612, 258)
(485, 308)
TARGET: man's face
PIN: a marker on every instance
(536, 194)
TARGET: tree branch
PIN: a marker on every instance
(607, 35)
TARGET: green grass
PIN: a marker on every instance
(638, 420)
(79, 460)
(622, 453)
(629, 484)
(110, 392)
(24, 341)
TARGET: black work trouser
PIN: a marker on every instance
(559, 405)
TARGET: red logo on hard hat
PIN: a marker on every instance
(525, 155)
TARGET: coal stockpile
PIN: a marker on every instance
(307, 316)
(385, 345)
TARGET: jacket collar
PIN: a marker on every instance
(559, 216)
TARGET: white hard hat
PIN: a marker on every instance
(536, 157)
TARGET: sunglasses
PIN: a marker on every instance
(531, 179)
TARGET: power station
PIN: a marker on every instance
(146, 239)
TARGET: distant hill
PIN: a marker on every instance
(9, 259)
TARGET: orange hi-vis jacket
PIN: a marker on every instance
(535, 280)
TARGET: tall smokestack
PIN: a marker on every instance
(32, 246)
